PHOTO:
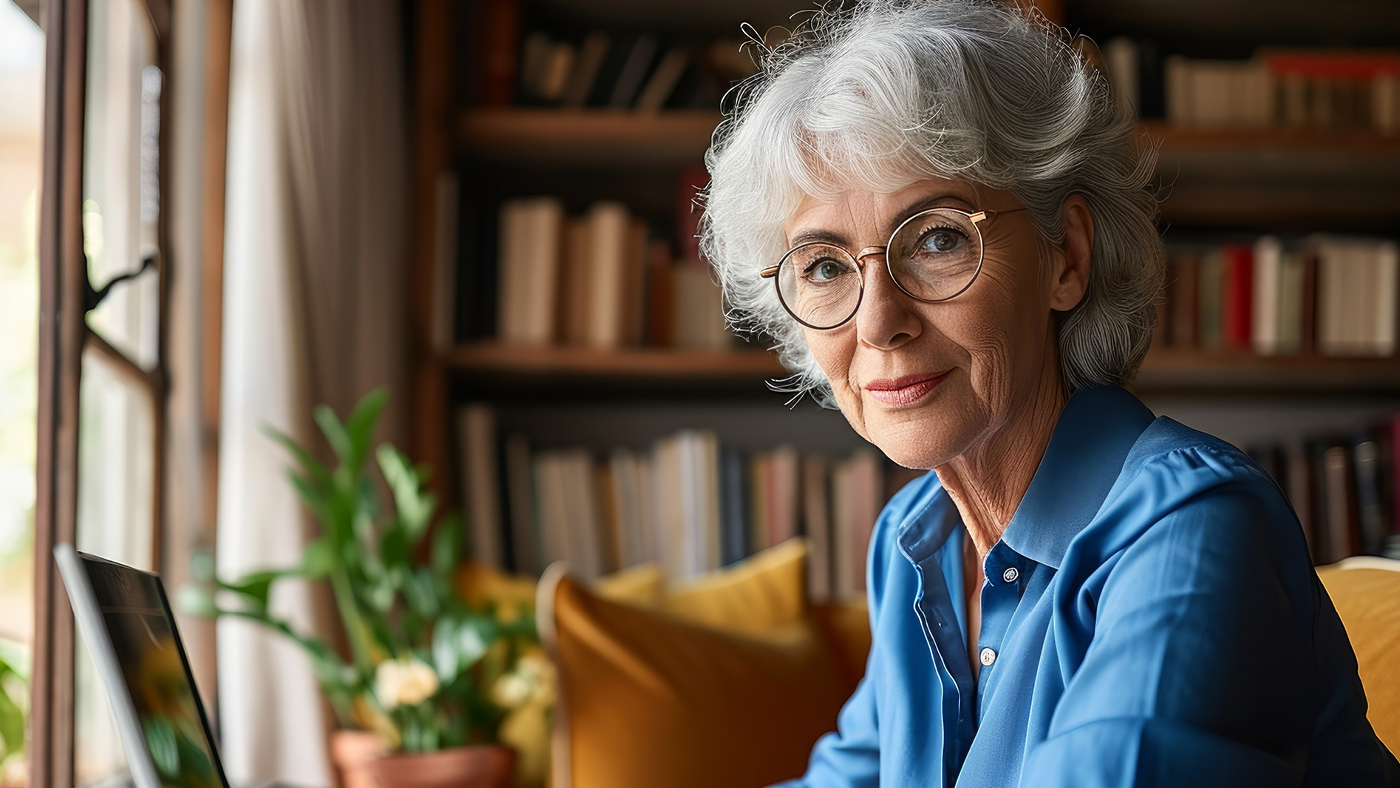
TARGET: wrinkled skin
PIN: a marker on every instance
(984, 428)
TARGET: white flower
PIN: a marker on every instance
(404, 682)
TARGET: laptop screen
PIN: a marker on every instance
(137, 617)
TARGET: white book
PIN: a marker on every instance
(608, 226)
(1121, 56)
(476, 425)
(545, 245)
(1361, 297)
(707, 454)
(551, 506)
(1331, 303)
(670, 530)
(511, 274)
(444, 259)
(1268, 261)
(627, 501)
(1290, 304)
(1387, 262)
(584, 525)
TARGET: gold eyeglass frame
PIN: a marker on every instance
(975, 217)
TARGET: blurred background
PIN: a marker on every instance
(486, 207)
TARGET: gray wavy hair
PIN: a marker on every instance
(894, 91)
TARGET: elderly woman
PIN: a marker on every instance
(940, 213)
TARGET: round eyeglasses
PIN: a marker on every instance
(932, 256)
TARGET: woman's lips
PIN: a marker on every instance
(906, 390)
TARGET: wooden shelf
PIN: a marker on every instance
(1291, 180)
(647, 363)
(1238, 373)
(1284, 179)
(587, 136)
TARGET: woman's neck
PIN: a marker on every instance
(988, 481)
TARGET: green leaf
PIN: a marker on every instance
(360, 426)
(395, 550)
(319, 559)
(313, 495)
(413, 504)
(310, 466)
(11, 721)
(336, 435)
(421, 593)
(447, 547)
(160, 740)
(459, 643)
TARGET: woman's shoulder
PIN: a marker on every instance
(1179, 478)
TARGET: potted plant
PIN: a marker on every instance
(429, 674)
(14, 662)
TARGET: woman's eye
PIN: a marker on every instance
(941, 241)
(825, 270)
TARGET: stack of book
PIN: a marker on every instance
(1325, 295)
(598, 280)
(1343, 490)
(1282, 88)
(687, 502)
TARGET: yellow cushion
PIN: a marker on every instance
(644, 584)
(763, 596)
(656, 698)
(1367, 598)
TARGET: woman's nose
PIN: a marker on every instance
(886, 317)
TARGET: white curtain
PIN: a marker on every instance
(313, 313)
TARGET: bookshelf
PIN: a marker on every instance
(1217, 182)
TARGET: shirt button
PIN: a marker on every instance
(988, 656)
(1010, 575)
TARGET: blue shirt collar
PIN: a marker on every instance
(1096, 430)
(1092, 438)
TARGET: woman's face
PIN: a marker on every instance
(927, 382)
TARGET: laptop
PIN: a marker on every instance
(125, 619)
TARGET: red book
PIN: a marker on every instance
(1237, 303)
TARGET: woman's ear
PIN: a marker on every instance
(1071, 278)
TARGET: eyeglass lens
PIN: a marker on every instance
(932, 257)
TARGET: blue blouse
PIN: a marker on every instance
(1150, 618)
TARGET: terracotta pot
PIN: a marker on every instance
(478, 766)
(351, 753)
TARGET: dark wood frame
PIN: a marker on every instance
(64, 337)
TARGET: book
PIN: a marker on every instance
(1210, 271)
(1182, 295)
(1373, 521)
(1237, 295)
(589, 62)
(1267, 292)
(634, 69)
(1299, 487)
(1340, 500)
(816, 522)
(783, 494)
(659, 311)
(1289, 302)
(664, 78)
(476, 424)
(497, 43)
(699, 321)
(609, 236)
(531, 243)
(734, 502)
(1121, 56)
